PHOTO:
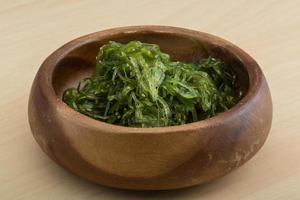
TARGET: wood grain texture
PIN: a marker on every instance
(267, 30)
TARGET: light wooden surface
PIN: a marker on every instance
(268, 30)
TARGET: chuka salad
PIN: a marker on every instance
(137, 85)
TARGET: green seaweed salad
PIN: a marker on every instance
(137, 85)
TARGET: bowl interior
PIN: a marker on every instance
(80, 61)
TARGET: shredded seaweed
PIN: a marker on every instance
(137, 85)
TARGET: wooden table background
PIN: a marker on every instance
(31, 29)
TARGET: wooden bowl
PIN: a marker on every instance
(148, 158)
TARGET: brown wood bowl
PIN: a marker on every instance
(148, 158)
